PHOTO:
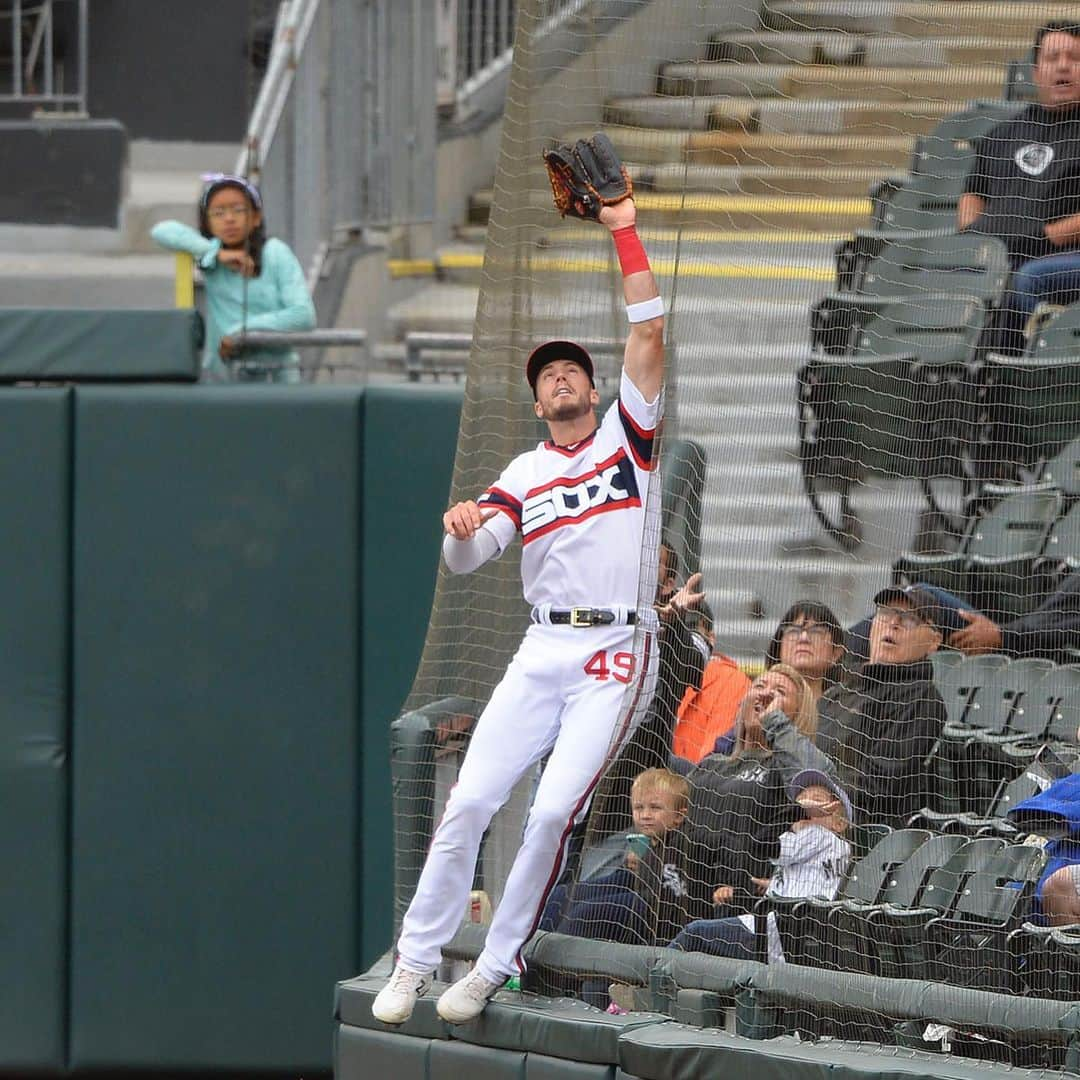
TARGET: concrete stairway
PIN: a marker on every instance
(99, 268)
(751, 159)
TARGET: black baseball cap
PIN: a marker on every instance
(557, 350)
(925, 604)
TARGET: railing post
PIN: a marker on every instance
(184, 280)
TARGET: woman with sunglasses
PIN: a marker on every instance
(252, 282)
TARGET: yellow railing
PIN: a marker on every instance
(185, 280)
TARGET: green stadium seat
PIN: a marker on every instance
(1028, 417)
(1020, 81)
(895, 933)
(803, 924)
(967, 947)
(848, 925)
(894, 405)
(907, 266)
(1005, 534)
(1063, 469)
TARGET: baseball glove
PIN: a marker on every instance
(586, 177)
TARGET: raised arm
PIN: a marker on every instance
(643, 358)
(176, 236)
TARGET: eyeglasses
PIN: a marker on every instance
(906, 618)
(814, 631)
(220, 212)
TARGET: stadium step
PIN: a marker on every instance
(72, 280)
(940, 82)
(440, 307)
(872, 50)
(658, 146)
(730, 211)
(775, 114)
(847, 180)
(915, 18)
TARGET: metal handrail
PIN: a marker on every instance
(40, 47)
(323, 338)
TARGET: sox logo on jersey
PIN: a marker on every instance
(611, 486)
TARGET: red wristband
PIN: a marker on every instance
(632, 257)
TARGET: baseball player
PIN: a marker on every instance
(575, 688)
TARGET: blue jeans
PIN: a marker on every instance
(608, 909)
(717, 937)
(1052, 279)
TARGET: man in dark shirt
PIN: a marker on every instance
(1025, 188)
(881, 725)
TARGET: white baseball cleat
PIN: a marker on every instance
(395, 1002)
(465, 1000)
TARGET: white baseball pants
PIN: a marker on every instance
(577, 693)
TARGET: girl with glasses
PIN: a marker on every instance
(252, 282)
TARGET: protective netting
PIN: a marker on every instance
(868, 486)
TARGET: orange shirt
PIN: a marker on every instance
(708, 713)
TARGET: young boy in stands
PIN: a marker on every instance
(813, 859)
(643, 900)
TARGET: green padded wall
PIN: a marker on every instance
(410, 433)
(35, 467)
(100, 346)
(215, 711)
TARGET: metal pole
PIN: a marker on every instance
(84, 53)
(50, 56)
(16, 48)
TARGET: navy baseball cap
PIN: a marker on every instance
(938, 608)
(816, 778)
(557, 350)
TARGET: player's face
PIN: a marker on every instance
(655, 811)
(563, 391)
(899, 635)
(1057, 71)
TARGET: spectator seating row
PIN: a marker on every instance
(896, 385)
(1016, 546)
(1044, 960)
(1002, 715)
(921, 905)
(1019, 542)
(924, 201)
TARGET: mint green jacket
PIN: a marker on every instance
(278, 299)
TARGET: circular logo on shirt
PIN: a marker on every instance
(1034, 158)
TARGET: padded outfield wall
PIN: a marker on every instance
(214, 603)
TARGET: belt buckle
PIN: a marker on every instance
(581, 617)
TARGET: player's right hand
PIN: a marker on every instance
(463, 519)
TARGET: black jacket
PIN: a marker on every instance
(739, 806)
(880, 728)
(1052, 630)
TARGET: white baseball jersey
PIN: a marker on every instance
(580, 509)
(574, 693)
(812, 863)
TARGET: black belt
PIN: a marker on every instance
(587, 616)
